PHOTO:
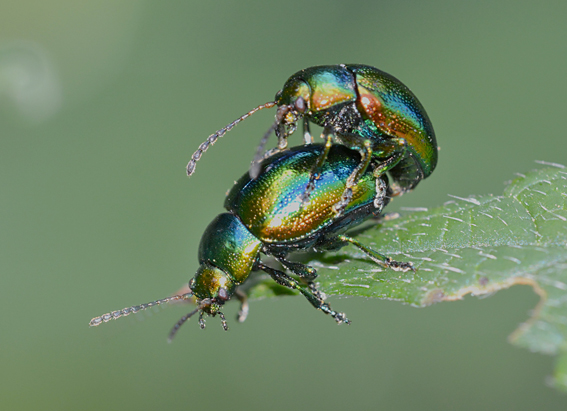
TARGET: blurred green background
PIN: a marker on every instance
(102, 104)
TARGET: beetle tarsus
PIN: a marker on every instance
(400, 266)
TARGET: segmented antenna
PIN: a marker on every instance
(212, 139)
(134, 309)
(181, 322)
(254, 170)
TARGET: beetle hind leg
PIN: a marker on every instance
(375, 256)
(395, 152)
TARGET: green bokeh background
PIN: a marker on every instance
(103, 102)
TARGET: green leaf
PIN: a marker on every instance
(475, 245)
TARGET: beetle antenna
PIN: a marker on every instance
(180, 323)
(134, 309)
(254, 170)
(212, 139)
(183, 319)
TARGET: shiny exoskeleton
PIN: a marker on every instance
(269, 216)
(362, 108)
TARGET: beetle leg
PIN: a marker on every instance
(378, 258)
(314, 175)
(299, 269)
(306, 273)
(394, 155)
(307, 137)
(282, 135)
(244, 309)
(313, 296)
(327, 135)
(381, 190)
(365, 157)
(303, 271)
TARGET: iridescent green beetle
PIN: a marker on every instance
(360, 107)
(266, 216)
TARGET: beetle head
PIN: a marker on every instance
(212, 287)
(295, 93)
(293, 102)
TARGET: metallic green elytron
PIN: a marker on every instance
(360, 107)
(269, 216)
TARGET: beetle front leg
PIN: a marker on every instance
(307, 137)
(312, 295)
(314, 175)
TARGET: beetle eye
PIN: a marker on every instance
(300, 105)
(223, 294)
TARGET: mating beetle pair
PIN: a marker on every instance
(362, 108)
(307, 197)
